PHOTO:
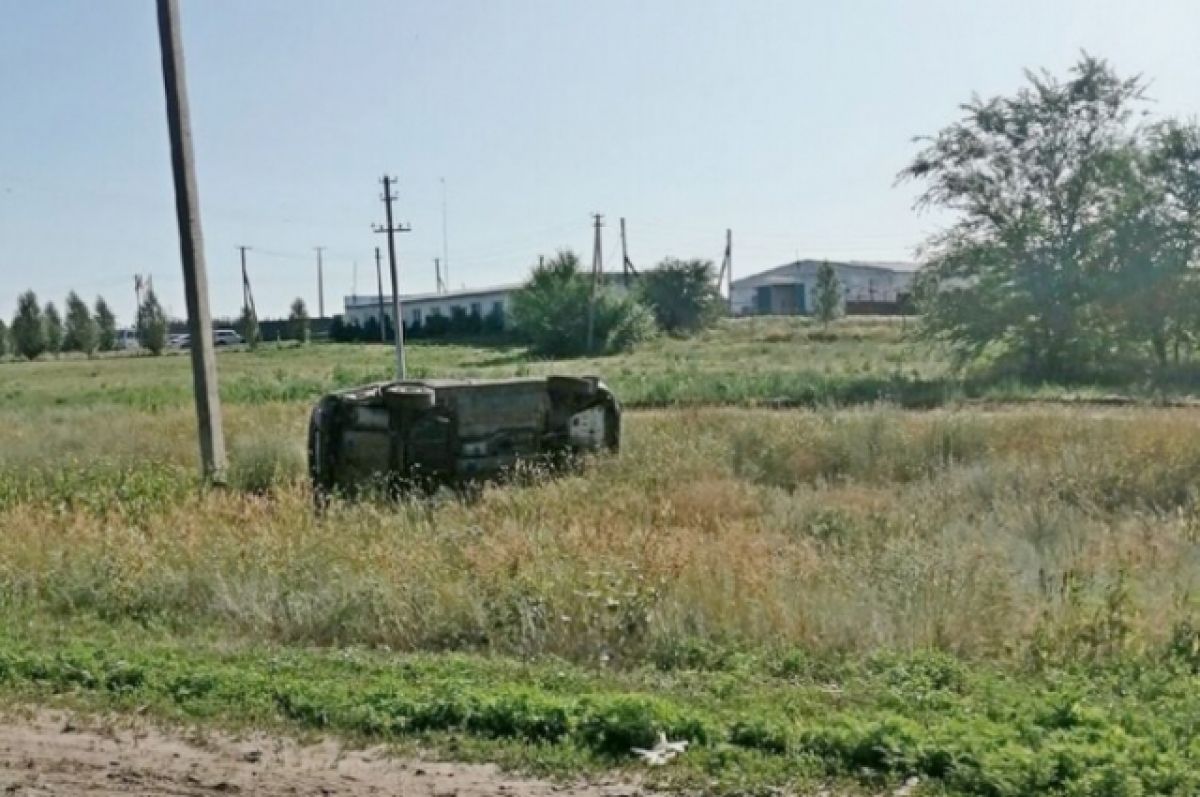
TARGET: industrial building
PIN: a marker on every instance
(867, 288)
(417, 308)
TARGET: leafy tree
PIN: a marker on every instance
(54, 328)
(81, 334)
(151, 324)
(682, 294)
(3, 339)
(1152, 288)
(298, 326)
(247, 326)
(1032, 180)
(551, 311)
(827, 294)
(106, 326)
(28, 327)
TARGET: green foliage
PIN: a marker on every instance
(1124, 729)
(298, 326)
(551, 312)
(106, 326)
(151, 324)
(247, 327)
(29, 327)
(3, 339)
(1076, 226)
(827, 296)
(81, 333)
(682, 294)
(54, 328)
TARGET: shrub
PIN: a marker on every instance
(682, 294)
(3, 339)
(551, 312)
(298, 327)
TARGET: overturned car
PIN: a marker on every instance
(451, 431)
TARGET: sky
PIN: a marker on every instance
(786, 122)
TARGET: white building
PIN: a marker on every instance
(789, 289)
(418, 307)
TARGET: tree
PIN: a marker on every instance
(54, 328)
(247, 326)
(298, 326)
(28, 327)
(80, 334)
(551, 310)
(682, 294)
(1032, 181)
(151, 324)
(3, 339)
(827, 295)
(1153, 289)
(106, 326)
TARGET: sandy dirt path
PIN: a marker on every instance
(55, 753)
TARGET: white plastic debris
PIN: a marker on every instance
(662, 752)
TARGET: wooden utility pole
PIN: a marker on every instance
(727, 269)
(391, 229)
(626, 264)
(320, 282)
(191, 245)
(248, 309)
(597, 267)
(379, 282)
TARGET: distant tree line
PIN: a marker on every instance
(1076, 243)
(38, 329)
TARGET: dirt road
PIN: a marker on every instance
(53, 753)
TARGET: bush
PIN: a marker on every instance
(298, 326)
(551, 312)
(682, 294)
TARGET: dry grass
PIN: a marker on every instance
(1032, 532)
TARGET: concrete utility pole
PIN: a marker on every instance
(437, 273)
(379, 282)
(191, 245)
(445, 245)
(391, 230)
(320, 282)
(597, 267)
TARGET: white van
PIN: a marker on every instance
(226, 337)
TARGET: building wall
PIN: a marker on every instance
(359, 309)
(789, 290)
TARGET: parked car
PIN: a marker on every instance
(448, 431)
(179, 341)
(226, 337)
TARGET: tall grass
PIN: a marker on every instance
(1026, 535)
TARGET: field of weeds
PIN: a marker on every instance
(993, 602)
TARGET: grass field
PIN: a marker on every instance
(998, 600)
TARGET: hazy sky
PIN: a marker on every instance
(786, 121)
